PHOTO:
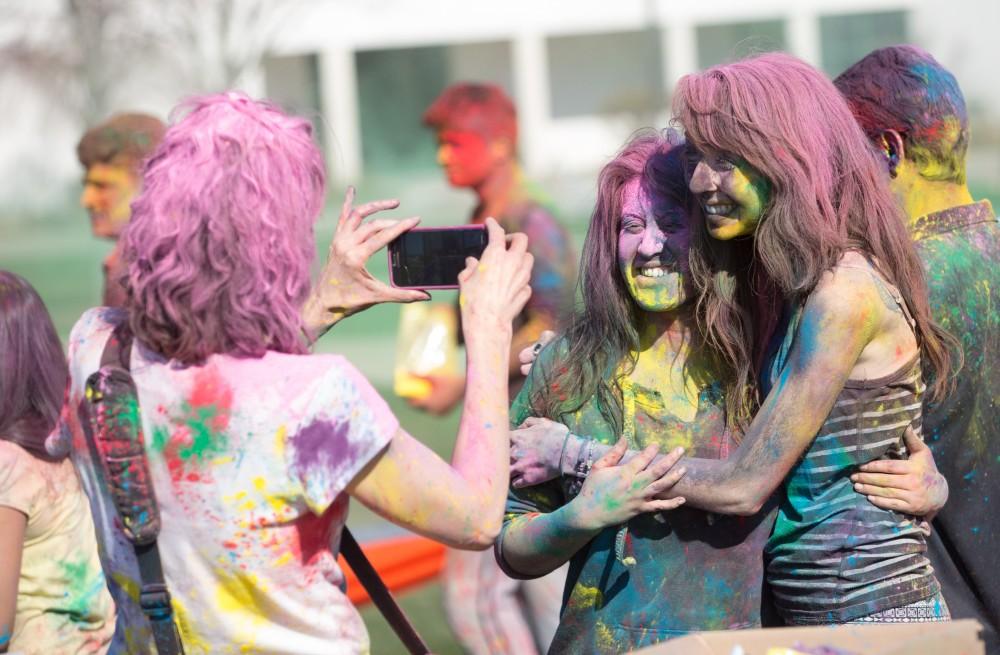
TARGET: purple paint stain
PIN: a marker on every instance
(322, 443)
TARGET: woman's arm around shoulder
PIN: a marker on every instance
(840, 318)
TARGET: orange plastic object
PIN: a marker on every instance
(402, 562)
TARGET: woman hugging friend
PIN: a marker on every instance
(774, 323)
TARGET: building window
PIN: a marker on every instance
(396, 86)
(719, 44)
(606, 73)
(847, 38)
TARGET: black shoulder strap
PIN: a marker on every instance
(381, 595)
(118, 429)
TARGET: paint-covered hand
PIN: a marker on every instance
(345, 286)
(527, 355)
(494, 288)
(910, 486)
(536, 450)
(613, 493)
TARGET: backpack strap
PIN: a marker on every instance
(112, 414)
(381, 595)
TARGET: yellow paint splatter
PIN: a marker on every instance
(193, 643)
(279, 442)
(604, 638)
(586, 597)
(128, 585)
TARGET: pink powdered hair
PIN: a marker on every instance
(829, 193)
(221, 240)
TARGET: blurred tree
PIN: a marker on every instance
(80, 52)
(74, 51)
(216, 44)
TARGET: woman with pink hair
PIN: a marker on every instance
(800, 224)
(254, 445)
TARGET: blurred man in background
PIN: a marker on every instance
(914, 112)
(476, 129)
(112, 155)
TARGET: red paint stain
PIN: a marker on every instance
(211, 391)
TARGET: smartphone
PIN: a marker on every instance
(432, 257)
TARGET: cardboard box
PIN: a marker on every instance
(945, 638)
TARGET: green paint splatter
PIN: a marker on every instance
(205, 441)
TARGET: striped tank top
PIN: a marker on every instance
(833, 556)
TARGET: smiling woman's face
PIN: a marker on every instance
(653, 242)
(732, 193)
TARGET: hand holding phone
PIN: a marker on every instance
(345, 286)
(432, 258)
(495, 288)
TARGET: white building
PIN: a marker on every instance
(584, 74)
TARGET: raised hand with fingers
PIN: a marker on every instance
(613, 493)
(345, 286)
(910, 486)
(528, 355)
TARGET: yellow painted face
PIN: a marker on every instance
(653, 242)
(108, 191)
(733, 194)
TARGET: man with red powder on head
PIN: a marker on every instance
(476, 128)
(913, 111)
(112, 154)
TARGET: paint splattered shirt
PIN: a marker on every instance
(693, 571)
(960, 251)
(249, 459)
(834, 556)
(63, 604)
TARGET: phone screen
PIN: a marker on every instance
(432, 258)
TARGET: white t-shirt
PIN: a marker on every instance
(249, 459)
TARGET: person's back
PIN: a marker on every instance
(960, 248)
(253, 445)
(249, 459)
(914, 112)
(53, 595)
(63, 605)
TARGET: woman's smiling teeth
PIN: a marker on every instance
(719, 209)
(652, 271)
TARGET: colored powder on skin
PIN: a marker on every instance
(666, 295)
(4, 638)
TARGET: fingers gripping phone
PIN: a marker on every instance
(432, 257)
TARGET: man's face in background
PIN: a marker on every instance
(466, 157)
(108, 191)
